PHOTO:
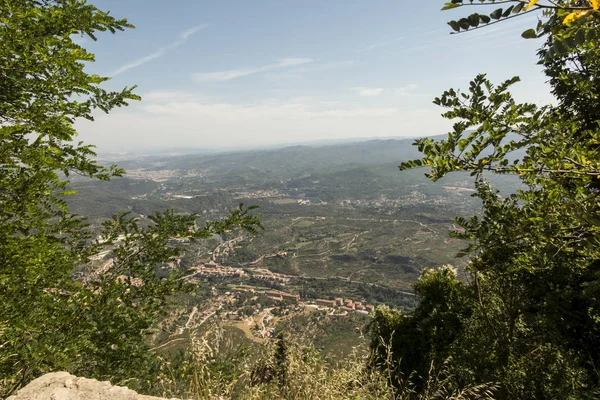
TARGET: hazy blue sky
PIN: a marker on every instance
(248, 73)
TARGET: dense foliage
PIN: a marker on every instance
(49, 318)
(528, 318)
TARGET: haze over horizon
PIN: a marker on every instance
(240, 75)
(190, 150)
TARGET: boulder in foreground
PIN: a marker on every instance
(64, 386)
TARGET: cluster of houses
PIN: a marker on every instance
(272, 277)
(345, 305)
(258, 194)
(213, 269)
(239, 289)
(277, 295)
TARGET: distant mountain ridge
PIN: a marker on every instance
(184, 151)
(298, 157)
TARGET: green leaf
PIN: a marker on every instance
(559, 46)
(464, 23)
(474, 20)
(450, 5)
(580, 37)
(507, 12)
(454, 25)
(496, 14)
(529, 34)
(517, 9)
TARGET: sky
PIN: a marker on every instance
(253, 73)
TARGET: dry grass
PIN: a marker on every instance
(286, 369)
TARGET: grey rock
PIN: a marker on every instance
(64, 386)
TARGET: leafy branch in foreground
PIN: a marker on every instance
(43, 90)
(58, 311)
(528, 316)
(579, 19)
(94, 326)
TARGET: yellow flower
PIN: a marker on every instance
(532, 3)
(595, 4)
(569, 18)
(574, 15)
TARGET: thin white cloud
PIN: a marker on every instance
(298, 108)
(325, 66)
(162, 96)
(221, 76)
(183, 36)
(369, 92)
(406, 90)
(295, 73)
(189, 32)
(140, 61)
(360, 113)
(205, 123)
(381, 44)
